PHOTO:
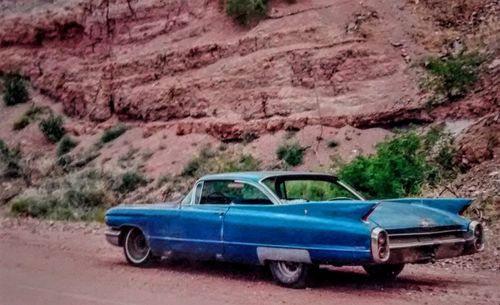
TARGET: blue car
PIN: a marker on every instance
(294, 222)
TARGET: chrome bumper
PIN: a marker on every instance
(113, 237)
(424, 247)
(430, 252)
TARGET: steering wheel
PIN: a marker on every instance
(339, 198)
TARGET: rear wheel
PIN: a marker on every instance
(136, 249)
(384, 272)
(291, 274)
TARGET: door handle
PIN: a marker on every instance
(221, 214)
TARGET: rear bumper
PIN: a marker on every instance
(430, 251)
(113, 237)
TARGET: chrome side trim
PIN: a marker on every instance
(279, 254)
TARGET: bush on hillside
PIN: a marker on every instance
(10, 161)
(245, 11)
(52, 127)
(16, 91)
(453, 76)
(130, 181)
(209, 161)
(113, 133)
(291, 153)
(29, 116)
(77, 196)
(66, 145)
(402, 165)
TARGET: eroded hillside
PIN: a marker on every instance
(334, 76)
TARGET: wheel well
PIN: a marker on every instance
(123, 232)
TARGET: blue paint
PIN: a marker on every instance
(332, 232)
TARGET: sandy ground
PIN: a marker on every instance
(60, 263)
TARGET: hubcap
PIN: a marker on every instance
(289, 268)
(137, 248)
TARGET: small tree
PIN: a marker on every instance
(15, 89)
(52, 127)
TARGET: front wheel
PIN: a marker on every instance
(384, 272)
(136, 249)
(290, 274)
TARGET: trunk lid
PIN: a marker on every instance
(401, 215)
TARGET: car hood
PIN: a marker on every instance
(403, 214)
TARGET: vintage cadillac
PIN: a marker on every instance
(294, 222)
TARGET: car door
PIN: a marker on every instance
(196, 231)
(248, 223)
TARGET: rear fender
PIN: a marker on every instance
(451, 205)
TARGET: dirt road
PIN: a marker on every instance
(59, 264)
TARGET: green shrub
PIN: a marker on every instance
(30, 207)
(333, 144)
(52, 127)
(244, 11)
(15, 89)
(292, 154)
(402, 165)
(191, 168)
(3, 148)
(163, 180)
(21, 123)
(66, 145)
(10, 161)
(29, 116)
(76, 196)
(113, 133)
(397, 169)
(209, 161)
(130, 181)
(453, 76)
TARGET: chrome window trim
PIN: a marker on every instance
(350, 189)
(263, 188)
(193, 198)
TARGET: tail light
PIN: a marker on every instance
(380, 245)
(477, 231)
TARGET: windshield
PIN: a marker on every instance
(310, 188)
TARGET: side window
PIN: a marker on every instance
(226, 192)
(187, 199)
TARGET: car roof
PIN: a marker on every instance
(257, 176)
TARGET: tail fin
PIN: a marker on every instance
(358, 210)
(451, 205)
